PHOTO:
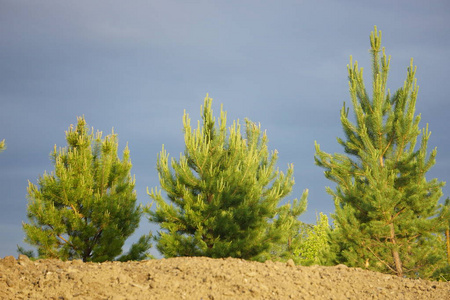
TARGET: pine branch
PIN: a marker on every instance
(380, 260)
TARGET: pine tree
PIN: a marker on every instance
(86, 208)
(386, 210)
(223, 193)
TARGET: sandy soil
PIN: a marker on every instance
(203, 278)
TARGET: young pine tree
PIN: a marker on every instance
(223, 194)
(386, 210)
(314, 244)
(86, 208)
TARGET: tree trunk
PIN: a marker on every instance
(395, 254)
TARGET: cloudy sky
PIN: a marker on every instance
(137, 65)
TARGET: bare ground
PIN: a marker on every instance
(203, 278)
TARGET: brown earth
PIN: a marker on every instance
(203, 278)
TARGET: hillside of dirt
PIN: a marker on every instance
(203, 278)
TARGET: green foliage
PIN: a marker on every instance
(314, 245)
(29, 253)
(86, 208)
(293, 231)
(138, 250)
(387, 212)
(443, 273)
(223, 193)
(2, 146)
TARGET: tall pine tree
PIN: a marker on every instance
(224, 194)
(386, 210)
(86, 208)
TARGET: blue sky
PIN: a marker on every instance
(137, 65)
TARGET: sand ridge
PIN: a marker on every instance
(203, 278)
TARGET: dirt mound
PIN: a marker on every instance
(203, 278)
